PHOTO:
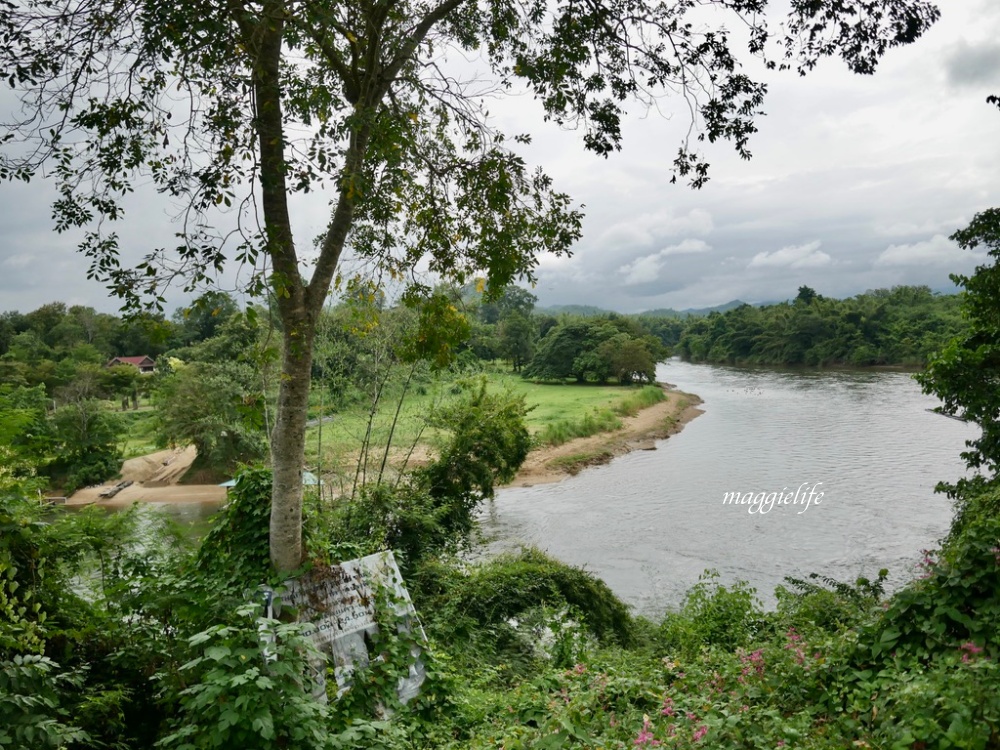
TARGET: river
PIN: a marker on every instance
(651, 522)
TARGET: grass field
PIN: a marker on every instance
(557, 413)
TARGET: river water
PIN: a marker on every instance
(651, 522)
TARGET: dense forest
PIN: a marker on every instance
(214, 379)
(900, 326)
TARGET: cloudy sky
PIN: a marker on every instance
(855, 184)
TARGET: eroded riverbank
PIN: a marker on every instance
(551, 464)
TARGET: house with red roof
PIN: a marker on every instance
(146, 365)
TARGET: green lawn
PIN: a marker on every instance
(557, 413)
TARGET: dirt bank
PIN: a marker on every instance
(657, 422)
(154, 479)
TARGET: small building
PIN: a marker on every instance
(146, 365)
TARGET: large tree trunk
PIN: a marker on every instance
(298, 322)
(288, 440)
(299, 304)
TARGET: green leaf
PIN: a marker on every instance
(218, 653)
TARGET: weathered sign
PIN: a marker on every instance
(340, 601)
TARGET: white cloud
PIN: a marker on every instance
(686, 246)
(926, 226)
(18, 261)
(646, 229)
(647, 268)
(937, 251)
(793, 256)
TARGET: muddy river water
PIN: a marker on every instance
(651, 522)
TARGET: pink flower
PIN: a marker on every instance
(645, 737)
(668, 706)
(969, 650)
(796, 645)
(753, 663)
(699, 733)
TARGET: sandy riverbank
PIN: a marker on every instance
(155, 477)
(657, 422)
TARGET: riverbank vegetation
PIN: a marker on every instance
(899, 326)
(116, 631)
(378, 369)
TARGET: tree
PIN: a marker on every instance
(85, 436)
(965, 375)
(558, 352)
(218, 407)
(517, 333)
(122, 381)
(806, 295)
(630, 359)
(286, 96)
(204, 317)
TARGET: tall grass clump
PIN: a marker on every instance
(643, 398)
(598, 420)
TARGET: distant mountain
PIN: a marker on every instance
(584, 311)
(731, 305)
(666, 312)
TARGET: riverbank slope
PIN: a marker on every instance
(550, 464)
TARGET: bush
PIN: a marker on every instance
(34, 705)
(249, 687)
(514, 583)
(236, 548)
(713, 615)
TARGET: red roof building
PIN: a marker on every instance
(145, 364)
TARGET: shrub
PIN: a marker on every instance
(236, 548)
(713, 615)
(506, 587)
(249, 687)
(34, 706)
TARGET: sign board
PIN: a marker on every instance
(340, 601)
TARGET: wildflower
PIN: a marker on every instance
(753, 663)
(795, 644)
(700, 732)
(645, 737)
(927, 564)
(668, 706)
(969, 650)
(580, 668)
